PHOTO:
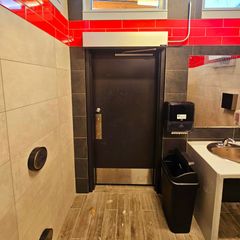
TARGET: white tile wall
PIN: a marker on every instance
(2, 108)
(33, 181)
(62, 56)
(8, 223)
(21, 41)
(64, 86)
(29, 124)
(64, 114)
(65, 8)
(27, 83)
(35, 87)
(4, 151)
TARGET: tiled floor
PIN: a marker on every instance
(132, 213)
(230, 221)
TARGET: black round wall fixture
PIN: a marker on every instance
(37, 158)
(47, 234)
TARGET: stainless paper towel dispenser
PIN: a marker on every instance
(179, 117)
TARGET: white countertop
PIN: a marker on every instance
(224, 167)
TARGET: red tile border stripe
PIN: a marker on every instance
(46, 17)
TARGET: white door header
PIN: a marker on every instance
(125, 39)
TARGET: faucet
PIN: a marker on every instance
(229, 142)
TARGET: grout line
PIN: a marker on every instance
(10, 161)
(26, 63)
(3, 95)
(31, 104)
(30, 63)
(5, 161)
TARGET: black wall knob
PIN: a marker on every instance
(47, 234)
(37, 158)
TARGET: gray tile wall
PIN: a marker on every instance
(175, 90)
(79, 118)
(75, 9)
(237, 134)
(179, 9)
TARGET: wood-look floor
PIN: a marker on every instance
(130, 213)
(230, 221)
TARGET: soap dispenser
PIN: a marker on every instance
(179, 117)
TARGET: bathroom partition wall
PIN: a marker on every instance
(35, 111)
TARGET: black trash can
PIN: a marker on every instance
(179, 188)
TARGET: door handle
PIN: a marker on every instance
(98, 124)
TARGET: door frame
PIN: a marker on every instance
(160, 82)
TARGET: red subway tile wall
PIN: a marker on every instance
(45, 16)
(203, 31)
(42, 14)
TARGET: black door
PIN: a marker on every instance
(125, 101)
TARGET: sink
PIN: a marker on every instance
(229, 152)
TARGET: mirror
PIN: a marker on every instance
(214, 87)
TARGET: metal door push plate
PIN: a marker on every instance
(37, 158)
(98, 122)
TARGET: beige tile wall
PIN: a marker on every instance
(30, 84)
(2, 107)
(8, 220)
(35, 110)
(4, 151)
